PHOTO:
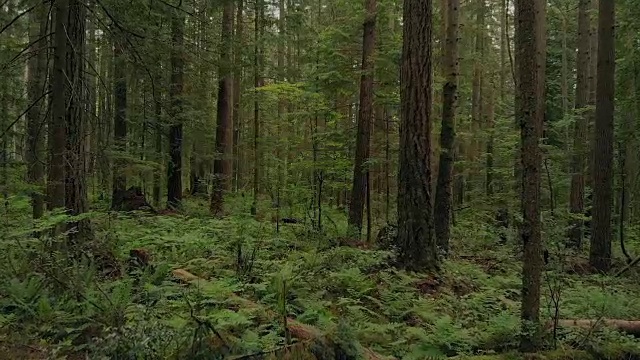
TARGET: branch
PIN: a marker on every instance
(23, 113)
(17, 17)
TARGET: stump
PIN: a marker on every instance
(130, 200)
(387, 237)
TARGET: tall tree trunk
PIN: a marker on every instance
(591, 116)
(476, 95)
(157, 179)
(36, 81)
(530, 17)
(174, 173)
(600, 250)
(576, 198)
(444, 188)
(222, 166)
(75, 172)
(490, 122)
(415, 225)
(58, 103)
(281, 108)
(237, 93)
(119, 120)
(365, 116)
(257, 63)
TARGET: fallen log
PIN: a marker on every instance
(631, 327)
(300, 331)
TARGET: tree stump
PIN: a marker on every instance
(130, 200)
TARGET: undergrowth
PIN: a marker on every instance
(94, 303)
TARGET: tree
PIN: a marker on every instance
(75, 179)
(222, 166)
(601, 236)
(120, 119)
(529, 40)
(417, 245)
(174, 168)
(36, 80)
(257, 82)
(57, 125)
(580, 130)
(365, 115)
(237, 93)
(444, 196)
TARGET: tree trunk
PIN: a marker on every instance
(57, 126)
(76, 200)
(576, 198)
(600, 250)
(237, 93)
(120, 119)
(365, 115)
(415, 225)
(256, 106)
(174, 168)
(476, 96)
(491, 104)
(444, 196)
(222, 166)
(157, 179)
(530, 17)
(36, 82)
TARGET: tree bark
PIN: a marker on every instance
(477, 87)
(530, 17)
(237, 93)
(576, 198)
(76, 201)
(417, 245)
(57, 125)
(365, 117)
(120, 119)
(222, 166)
(174, 168)
(36, 86)
(444, 188)
(600, 250)
(256, 105)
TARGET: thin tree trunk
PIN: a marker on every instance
(600, 250)
(119, 121)
(57, 125)
(444, 188)
(530, 17)
(222, 166)
(365, 115)
(237, 93)
(476, 95)
(257, 63)
(174, 173)
(157, 179)
(490, 142)
(576, 198)
(76, 200)
(415, 225)
(36, 86)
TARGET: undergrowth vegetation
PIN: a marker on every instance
(98, 303)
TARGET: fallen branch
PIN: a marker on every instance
(626, 268)
(297, 329)
(627, 326)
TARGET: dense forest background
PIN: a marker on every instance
(319, 179)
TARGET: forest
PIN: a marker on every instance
(320, 179)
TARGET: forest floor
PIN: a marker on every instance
(250, 279)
